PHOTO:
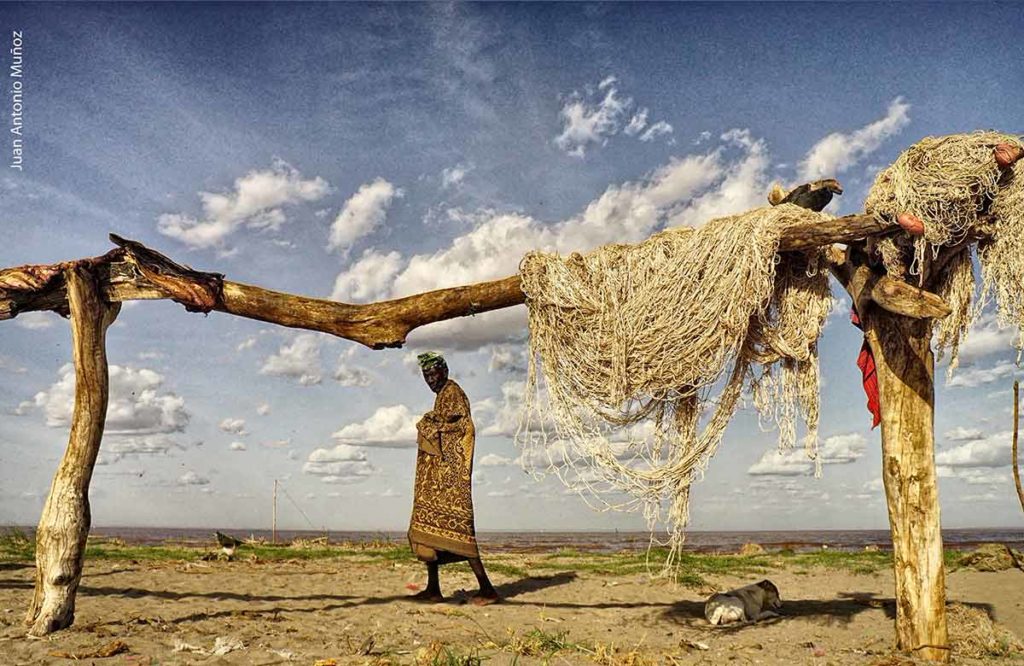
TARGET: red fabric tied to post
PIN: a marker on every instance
(869, 377)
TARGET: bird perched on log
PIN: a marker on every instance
(815, 195)
(227, 543)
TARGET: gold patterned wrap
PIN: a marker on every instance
(442, 511)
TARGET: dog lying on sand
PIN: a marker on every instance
(746, 604)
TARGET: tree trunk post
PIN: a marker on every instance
(64, 525)
(906, 366)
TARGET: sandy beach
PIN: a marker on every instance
(558, 608)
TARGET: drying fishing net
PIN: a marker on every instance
(968, 203)
(640, 354)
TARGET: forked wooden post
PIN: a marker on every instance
(906, 368)
(64, 525)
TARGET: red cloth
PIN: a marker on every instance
(866, 363)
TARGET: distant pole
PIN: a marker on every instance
(273, 526)
(1016, 419)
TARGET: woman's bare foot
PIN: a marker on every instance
(428, 596)
(485, 598)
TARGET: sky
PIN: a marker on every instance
(366, 151)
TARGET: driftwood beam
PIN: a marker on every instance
(64, 524)
(135, 272)
(899, 297)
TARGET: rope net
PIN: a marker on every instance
(953, 184)
(640, 354)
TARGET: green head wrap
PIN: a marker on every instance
(430, 359)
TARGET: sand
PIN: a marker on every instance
(355, 611)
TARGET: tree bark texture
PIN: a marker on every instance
(64, 525)
(905, 366)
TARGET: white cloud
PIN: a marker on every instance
(991, 451)
(350, 375)
(453, 176)
(299, 360)
(255, 203)
(118, 447)
(190, 478)
(248, 343)
(368, 279)
(362, 214)
(791, 462)
(972, 377)
(656, 130)
(623, 213)
(842, 449)
(507, 412)
(976, 476)
(508, 358)
(234, 426)
(835, 450)
(637, 123)
(389, 427)
(340, 464)
(494, 460)
(592, 117)
(986, 337)
(962, 434)
(136, 405)
(36, 321)
(263, 409)
(837, 152)
(237, 446)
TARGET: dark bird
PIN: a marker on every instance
(815, 195)
(227, 543)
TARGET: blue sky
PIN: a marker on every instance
(367, 151)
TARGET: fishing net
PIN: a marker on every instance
(640, 354)
(955, 186)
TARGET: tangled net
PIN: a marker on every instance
(631, 341)
(955, 186)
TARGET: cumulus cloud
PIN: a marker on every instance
(191, 478)
(727, 179)
(837, 152)
(263, 409)
(255, 202)
(972, 377)
(233, 426)
(962, 434)
(118, 447)
(842, 449)
(986, 337)
(452, 177)
(835, 450)
(137, 405)
(362, 214)
(593, 116)
(299, 360)
(494, 460)
(508, 358)
(990, 451)
(248, 343)
(36, 321)
(351, 375)
(237, 446)
(389, 427)
(368, 279)
(340, 464)
(791, 462)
